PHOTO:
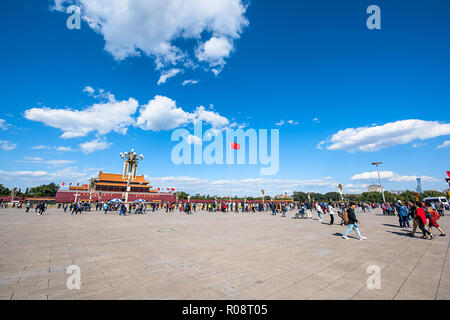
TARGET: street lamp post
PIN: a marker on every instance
(377, 163)
(131, 160)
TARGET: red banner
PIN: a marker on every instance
(448, 174)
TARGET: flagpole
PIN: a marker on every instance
(229, 189)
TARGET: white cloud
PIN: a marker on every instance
(40, 147)
(3, 125)
(94, 145)
(388, 135)
(7, 146)
(191, 139)
(130, 28)
(28, 178)
(249, 187)
(319, 145)
(316, 120)
(391, 176)
(64, 149)
(282, 122)
(101, 118)
(214, 51)
(189, 82)
(167, 75)
(162, 113)
(90, 91)
(38, 160)
(445, 144)
(211, 117)
(22, 174)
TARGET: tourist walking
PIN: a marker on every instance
(123, 210)
(420, 220)
(403, 215)
(331, 211)
(433, 218)
(319, 211)
(352, 223)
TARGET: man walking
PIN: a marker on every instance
(352, 223)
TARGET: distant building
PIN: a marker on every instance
(397, 191)
(419, 185)
(282, 196)
(110, 186)
(374, 188)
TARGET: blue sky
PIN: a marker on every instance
(353, 95)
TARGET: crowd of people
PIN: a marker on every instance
(420, 214)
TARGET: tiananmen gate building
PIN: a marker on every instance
(113, 186)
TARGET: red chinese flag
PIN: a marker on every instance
(78, 184)
(63, 184)
(235, 146)
(158, 188)
(70, 184)
(448, 174)
(173, 189)
(168, 189)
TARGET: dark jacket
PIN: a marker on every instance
(351, 216)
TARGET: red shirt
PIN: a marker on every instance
(421, 215)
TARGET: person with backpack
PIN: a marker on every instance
(403, 215)
(433, 217)
(352, 222)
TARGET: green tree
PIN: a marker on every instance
(182, 195)
(4, 191)
(334, 196)
(300, 196)
(45, 190)
(433, 193)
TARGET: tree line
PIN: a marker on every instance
(375, 197)
(45, 190)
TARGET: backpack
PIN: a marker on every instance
(345, 217)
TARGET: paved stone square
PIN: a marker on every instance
(215, 256)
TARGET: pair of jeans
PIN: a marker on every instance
(352, 226)
(404, 221)
(320, 215)
(422, 228)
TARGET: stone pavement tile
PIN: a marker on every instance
(424, 279)
(264, 289)
(299, 290)
(341, 289)
(209, 253)
(240, 295)
(206, 294)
